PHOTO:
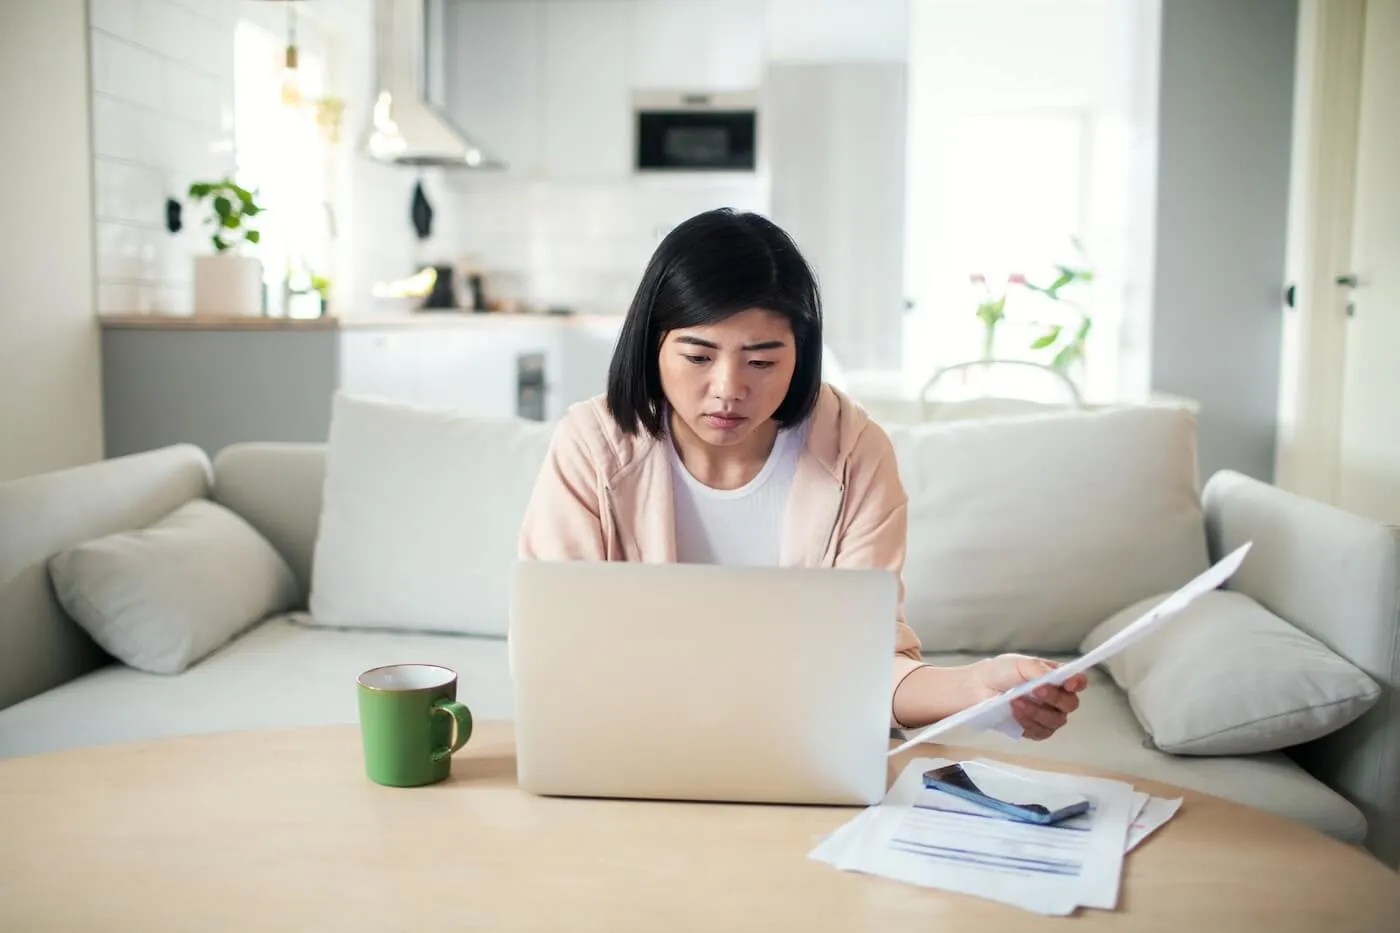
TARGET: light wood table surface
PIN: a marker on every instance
(259, 832)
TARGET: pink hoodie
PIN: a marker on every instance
(604, 495)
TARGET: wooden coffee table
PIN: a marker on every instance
(280, 830)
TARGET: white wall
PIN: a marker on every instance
(1225, 128)
(50, 402)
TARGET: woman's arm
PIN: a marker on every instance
(874, 535)
(563, 519)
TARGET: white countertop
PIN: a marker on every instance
(357, 322)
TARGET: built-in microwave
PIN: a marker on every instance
(680, 131)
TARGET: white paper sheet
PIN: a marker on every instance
(853, 846)
(995, 712)
(1150, 818)
(931, 838)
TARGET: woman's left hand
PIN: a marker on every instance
(1042, 716)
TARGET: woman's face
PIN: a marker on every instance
(725, 380)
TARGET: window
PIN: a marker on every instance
(1031, 134)
(283, 153)
(1004, 199)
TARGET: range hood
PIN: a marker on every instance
(405, 127)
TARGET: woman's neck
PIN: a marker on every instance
(723, 467)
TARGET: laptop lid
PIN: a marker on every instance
(702, 682)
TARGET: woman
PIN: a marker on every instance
(717, 441)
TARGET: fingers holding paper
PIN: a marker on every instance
(1046, 710)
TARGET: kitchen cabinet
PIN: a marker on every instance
(473, 370)
(547, 85)
(217, 382)
(704, 45)
(836, 143)
(586, 119)
(491, 79)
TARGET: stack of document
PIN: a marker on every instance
(932, 838)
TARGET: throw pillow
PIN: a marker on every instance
(1226, 676)
(421, 517)
(163, 597)
(1026, 531)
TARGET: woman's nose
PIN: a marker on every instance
(728, 381)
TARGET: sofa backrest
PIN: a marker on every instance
(277, 488)
(1024, 532)
(40, 646)
(1027, 531)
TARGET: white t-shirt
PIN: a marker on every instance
(741, 526)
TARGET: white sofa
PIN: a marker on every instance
(1025, 534)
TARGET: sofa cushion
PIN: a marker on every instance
(420, 515)
(1105, 734)
(1228, 677)
(162, 597)
(283, 672)
(1025, 532)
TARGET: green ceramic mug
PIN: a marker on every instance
(411, 723)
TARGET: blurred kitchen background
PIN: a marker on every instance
(456, 198)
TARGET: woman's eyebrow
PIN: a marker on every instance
(762, 345)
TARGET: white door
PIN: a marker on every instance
(1369, 439)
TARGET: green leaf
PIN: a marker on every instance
(254, 236)
(218, 242)
(1084, 327)
(1065, 278)
(1065, 357)
(200, 189)
(990, 312)
(1044, 340)
(223, 206)
(231, 222)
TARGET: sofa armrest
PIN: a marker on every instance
(1336, 576)
(40, 646)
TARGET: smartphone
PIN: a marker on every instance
(1018, 797)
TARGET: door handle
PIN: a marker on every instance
(1349, 281)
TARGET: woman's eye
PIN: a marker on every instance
(696, 359)
(761, 364)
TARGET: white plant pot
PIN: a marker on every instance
(226, 285)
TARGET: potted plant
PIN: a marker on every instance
(1065, 342)
(228, 282)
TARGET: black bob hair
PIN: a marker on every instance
(712, 266)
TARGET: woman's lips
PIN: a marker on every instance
(723, 422)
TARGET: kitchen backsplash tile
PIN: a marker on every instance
(162, 81)
(116, 17)
(127, 71)
(128, 192)
(583, 244)
(197, 98)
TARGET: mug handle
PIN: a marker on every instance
(461, 726)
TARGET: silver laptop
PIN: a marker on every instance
(701, 682)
